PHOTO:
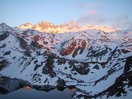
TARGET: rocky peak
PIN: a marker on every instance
(43, 23)
(72, 26)
(26, 26)
(5, 27)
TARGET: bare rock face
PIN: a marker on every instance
(69, 49)
(3, 36)
(73, 47)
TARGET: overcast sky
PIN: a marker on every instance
(100, 12)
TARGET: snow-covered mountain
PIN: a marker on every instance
(72, 26)
(87, 60)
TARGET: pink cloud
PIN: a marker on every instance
(92, 12)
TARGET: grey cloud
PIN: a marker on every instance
(122, 21)
(94, 18)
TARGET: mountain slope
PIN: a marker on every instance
(86, 60)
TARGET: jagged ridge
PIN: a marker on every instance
(72, 26)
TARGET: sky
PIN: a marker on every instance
(99, 12)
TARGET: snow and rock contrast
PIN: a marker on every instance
(72, 26)
(92, 60)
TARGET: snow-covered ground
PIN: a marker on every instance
(90, 60)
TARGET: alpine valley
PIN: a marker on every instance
(90, 60)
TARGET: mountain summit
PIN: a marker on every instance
(72, 26)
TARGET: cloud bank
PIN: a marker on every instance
(94, 18)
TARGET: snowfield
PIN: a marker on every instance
(90, 60)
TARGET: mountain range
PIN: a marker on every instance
(67, 55)
(72, 26)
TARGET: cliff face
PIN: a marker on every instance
(87, 60)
